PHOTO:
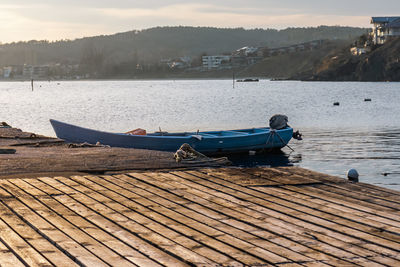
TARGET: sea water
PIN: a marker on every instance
(354, 134)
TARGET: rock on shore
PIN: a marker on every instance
(381, 64)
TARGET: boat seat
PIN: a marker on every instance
(210, 135)
(237, 132)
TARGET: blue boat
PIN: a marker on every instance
(210, 142)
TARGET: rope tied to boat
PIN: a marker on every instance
(187, 153)
(278, 122)
(273, 132)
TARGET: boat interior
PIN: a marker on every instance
(242, 132)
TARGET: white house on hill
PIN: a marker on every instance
(384, 27)
(215, 62)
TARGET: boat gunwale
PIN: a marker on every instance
(190, 135)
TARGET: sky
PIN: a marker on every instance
(24, 20)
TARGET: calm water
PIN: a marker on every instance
(355, 134)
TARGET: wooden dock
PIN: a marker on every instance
(203, 217)
(33, 155)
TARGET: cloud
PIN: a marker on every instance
(211, 15)
(60, 19)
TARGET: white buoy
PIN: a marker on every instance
(252, 152)
(352, 175)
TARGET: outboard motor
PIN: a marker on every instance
(278, 122)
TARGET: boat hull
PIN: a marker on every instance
(205, 142)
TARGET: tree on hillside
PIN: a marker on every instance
(91, 60)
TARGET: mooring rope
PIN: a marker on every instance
(272, 132)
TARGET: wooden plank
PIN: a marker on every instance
(286, 233)
(347, 207)
(259, 233)
(25, 251)
(268, 225)
(388, 191)
(29, 235)
(4, 193)
(270, 176)
(197, 220)
(132, 222)
(237, 176)
(46, 189)
(280, 177)
(180, 224)
(365, 189)
(339, 199)
(80, 253)
(91, 229)
(318, 176)
(320, 197)
(284, 214)
(364, 230)
(105, 253)
(339, 214)
(201, 218)
(368, 190)
(305, 204)
(368, 198)
(111, 228)
(7, 257)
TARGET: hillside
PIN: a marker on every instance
(287, 65)
(151, 45)
(381, 64)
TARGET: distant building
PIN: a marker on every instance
(215, 62)
(265, 51)
(178, 63)
(41, 71)
(35, 72)
(357, 51)
(246, 51)
(27, 71)
(384, 28)
(7, 71)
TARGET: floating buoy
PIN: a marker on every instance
(336, 103)
(297, 135)
(352, 175)
(252, 152)
(367, 99)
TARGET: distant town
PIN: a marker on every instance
(240, 58)
(93, 62)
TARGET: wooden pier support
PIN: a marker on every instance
(208, 217)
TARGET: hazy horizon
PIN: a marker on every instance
(110, 34)
(22, 20)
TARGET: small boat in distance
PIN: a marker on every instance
(210, 142)
(247, 80)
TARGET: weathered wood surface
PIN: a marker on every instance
(32, 160)
(206, 217)
(37, 155)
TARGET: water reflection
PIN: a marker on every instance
(270, 159)
(375, 153)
